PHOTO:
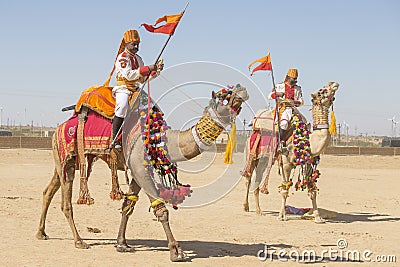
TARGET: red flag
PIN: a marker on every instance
(171, 21)
(265, 64)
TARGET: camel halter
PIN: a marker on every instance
(210, 125)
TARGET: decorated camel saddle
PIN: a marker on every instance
(263, 141)
(89, 129)
(86, 136)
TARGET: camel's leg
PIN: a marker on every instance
(247, 176)
(127, 209)
(257, 200)
(162, 214)
(48, 195)
(246, 199)
(313, 195)
(282, 213)
(116, 192)
(66, 206)
(285, 169)
(261, 167)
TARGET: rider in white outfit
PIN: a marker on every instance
(130, 73)
(290, 96)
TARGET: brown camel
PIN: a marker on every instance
(322, 100)
(182, 145)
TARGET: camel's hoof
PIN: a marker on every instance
(319, 220)
(124, 248)
(282, 218)
(87, 201)
(246, 207)
(116, 195)
(81, 245)
(41, 235)
(177, 256)
(258, 212)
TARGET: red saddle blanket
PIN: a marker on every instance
(97, 135)
(265, 142)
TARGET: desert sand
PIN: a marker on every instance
(363, 190)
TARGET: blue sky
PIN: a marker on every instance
(52, 50)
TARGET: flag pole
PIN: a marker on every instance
(276, 103)
(169, 37)
(162, 50)
(147, 77)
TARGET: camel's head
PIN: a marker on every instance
(227, 102)
(326, 95)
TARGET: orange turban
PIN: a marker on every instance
(292, 73)
(131, 36)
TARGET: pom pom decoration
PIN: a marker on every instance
(301, 142)
(153, 131)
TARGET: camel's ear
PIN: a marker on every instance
(213, 95)
(312, 96)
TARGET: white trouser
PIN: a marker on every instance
(121, 103)
(285, 118)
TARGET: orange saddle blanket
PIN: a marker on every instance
(98, 98)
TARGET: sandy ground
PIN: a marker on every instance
(364, 190)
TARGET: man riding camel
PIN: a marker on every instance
(289, 96)
(130, 72)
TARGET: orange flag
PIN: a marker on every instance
(171, 21)
(265, 64)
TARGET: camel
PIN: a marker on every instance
(182, 145)
(322, 100)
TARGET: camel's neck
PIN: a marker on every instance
(192, 142)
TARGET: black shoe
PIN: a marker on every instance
(116, 125)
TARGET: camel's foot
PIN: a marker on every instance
(176, 253)
(41, 235)
(85, 200)
(258, 211)
(116, 194)
(124, 248)
(318, 218)
(246, 207)
(282, 217)
(81, 245)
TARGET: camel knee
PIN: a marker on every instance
(129, 204)
(67, 210)
(162, 215)
(160, 211)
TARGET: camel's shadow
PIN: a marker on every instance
(345, 217)
(196, 248)
(362, 217)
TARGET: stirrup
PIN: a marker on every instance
(282, 147)
(118, 147)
